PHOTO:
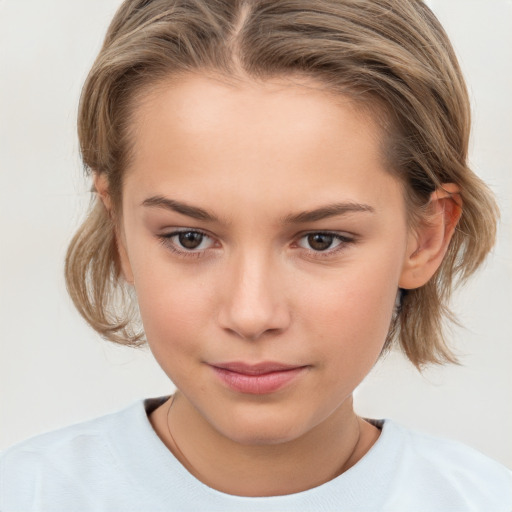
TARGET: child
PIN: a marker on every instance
(282, 188)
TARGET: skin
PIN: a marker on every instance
(255, 289)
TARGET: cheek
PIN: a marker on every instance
(174, 323)
(352, 310)
(174, 307)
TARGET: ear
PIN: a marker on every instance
(101, 185)
(428, 244)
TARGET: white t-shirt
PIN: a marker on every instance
(118, 463)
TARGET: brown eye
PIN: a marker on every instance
(188, 242)
(190, 239)
(320, 241)
(325, 244)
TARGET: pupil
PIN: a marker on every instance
(190, 240)
(320, 242)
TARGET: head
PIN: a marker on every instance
(380, 75)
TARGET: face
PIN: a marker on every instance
(265, 241)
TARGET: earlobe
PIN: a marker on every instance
(102, 189)
(428, 244)
(100, 181)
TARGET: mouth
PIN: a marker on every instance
(257, 379)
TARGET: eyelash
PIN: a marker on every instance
(344, 241)
(166, 241)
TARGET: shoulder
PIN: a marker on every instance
(58, 460)
(448, 455)
(72, 440)
(452, 470)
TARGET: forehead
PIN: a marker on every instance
(199, 103)
(281, 138)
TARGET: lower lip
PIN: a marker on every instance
(258, 384)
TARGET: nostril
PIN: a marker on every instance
(251, 332)
(254, 324)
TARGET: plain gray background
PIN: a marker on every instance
(54, 370)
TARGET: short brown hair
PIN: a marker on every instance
(391, 55)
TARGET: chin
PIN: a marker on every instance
(262, 437)
(260, 429)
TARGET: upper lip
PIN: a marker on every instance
(256, 368)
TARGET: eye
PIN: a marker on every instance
(187, 241)
(320, 241)
(324, 242)
(190, 239)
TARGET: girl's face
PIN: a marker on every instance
(266, 243)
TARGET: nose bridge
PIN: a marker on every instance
(254, 300)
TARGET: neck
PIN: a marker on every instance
(318, 456)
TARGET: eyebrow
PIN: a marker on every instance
(179, 207)
(324, 212)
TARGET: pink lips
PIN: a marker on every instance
(256, 379)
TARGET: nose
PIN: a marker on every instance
(254, 302)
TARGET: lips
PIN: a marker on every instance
(257, 379)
